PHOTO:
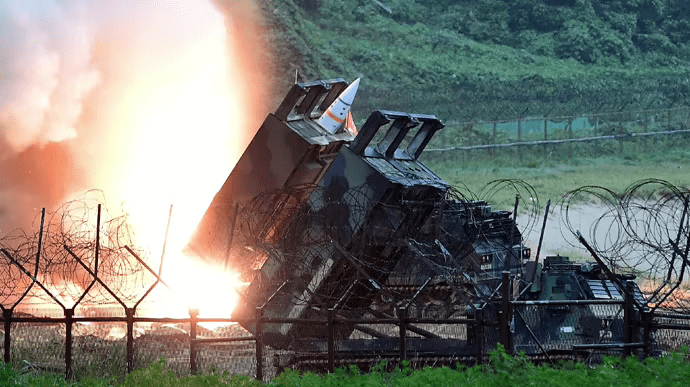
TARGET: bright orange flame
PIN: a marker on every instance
(180, 150)
(174, 126)
(211, 290)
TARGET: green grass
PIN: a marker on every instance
(11, 378)
(416, 61)
(552, 177)
(502, 370)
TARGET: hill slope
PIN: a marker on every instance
(490, 59)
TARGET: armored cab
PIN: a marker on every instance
(562, 315)
(562, 279)
(494, 235)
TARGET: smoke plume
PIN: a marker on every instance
(151, 102)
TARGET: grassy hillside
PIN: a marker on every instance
(491, 58)
(502, 59)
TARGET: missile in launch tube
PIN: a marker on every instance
(334, 117)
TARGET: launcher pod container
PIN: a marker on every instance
(289, 149)
(349, 235)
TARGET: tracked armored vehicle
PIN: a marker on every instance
(353, 226)
(317, 220)
(560, 313)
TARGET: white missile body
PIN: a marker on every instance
(334, 117)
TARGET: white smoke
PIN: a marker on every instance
(45, 70)
(114, 95)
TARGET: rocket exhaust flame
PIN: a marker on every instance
(149, 102)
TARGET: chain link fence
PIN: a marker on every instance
(590, 135)
(547, 330)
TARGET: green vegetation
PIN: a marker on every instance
(473, 60)
(156, 375)
(553, 172)
(491, 59)
(506, 370)
(11, 378)
(502, 370)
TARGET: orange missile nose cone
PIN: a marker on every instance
(334, 117)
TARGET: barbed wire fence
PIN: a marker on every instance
(647, 231)
(301, 242)
(74, 245)
(83, 256)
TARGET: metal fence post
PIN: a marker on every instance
(493, 139)
(129, 313)
(506, 314)
(646, 334)
(193, 314)
(621, 133)
(570, 137)
(69, 321)
(7, 316)
(331, 342)
(546, 135)
(628, 319)
(402, 315)
(519, 137)
(645, 128)
(258, 336)
(479, 334)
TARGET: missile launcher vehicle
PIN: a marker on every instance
(327, 220)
